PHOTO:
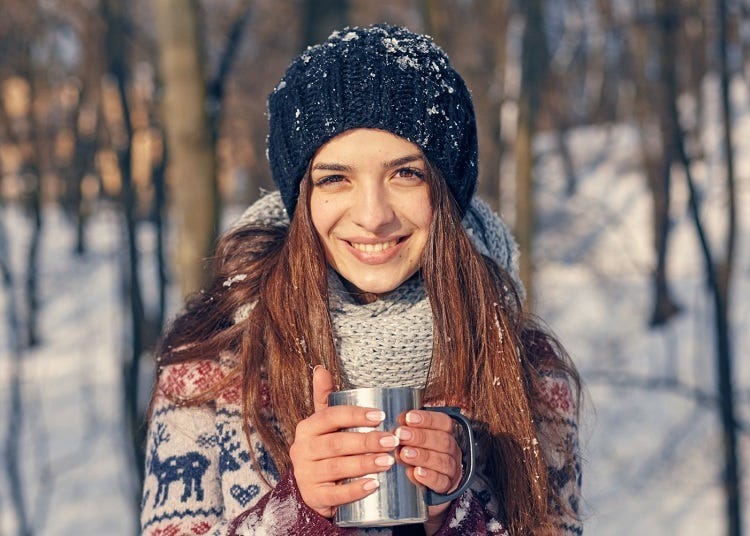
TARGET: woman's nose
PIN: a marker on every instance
(372, 208)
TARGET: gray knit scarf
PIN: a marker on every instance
(389, 342)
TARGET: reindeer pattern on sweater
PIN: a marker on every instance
(200, 478)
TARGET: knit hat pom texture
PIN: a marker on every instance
(382, 77)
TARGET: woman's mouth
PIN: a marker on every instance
(373, 248)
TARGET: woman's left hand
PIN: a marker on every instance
(430, 450)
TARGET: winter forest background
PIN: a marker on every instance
(614, 139)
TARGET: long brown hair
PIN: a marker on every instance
(487, 353)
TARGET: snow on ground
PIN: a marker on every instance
(73, 461)
(652, 456)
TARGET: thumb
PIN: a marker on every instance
(322, 387)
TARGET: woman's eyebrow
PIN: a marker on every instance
(332, 166)
(403, 160)
(335, 166)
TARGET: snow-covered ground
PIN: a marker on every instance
(652, 454)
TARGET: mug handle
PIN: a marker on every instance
(432, 498)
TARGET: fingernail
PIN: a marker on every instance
(408, 452)
(384, 461)
(370, 485)
(404, 434)
(388, 441)
(421, 471)
(413, 418)
(375, 416)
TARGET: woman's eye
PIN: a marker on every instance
(410, 173)
(329, 179)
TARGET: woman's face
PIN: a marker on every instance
(370, 205)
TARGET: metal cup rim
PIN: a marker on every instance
(376, 389)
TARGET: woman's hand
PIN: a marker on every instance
(322, 455)
(430, 450)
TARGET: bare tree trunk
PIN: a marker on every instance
(657, 149)
(87, 123)
(664, 305)
(525, 209)
(190, 148)
(33, 175)
(115, 13)
(496, 132)
(82, 161)
(160, 202)
(32, 259)
(732, 471)
(696, 32)
(217, 85)
(720, 283)
(561, 136)
(488, 89)
(19, 338)
(557, 98)
(725, 269)
(14, 417)
(159, 208)
(607, 104)
(534, 62)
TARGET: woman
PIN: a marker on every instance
(374, 265)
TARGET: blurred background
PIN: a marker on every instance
(614, 140)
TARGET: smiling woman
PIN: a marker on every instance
(373, 266)
(370, 205)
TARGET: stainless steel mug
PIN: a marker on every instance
(397, 501)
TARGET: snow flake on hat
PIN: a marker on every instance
(447, 87)
(392, 45)
(406, 62)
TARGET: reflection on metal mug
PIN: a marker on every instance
(397, 501)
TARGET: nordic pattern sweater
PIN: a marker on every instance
(200, 479)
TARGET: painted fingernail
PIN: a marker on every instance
(370, 485)
(403, 434)
(421, 471)
(375, 416)
(408, 452)
(388, 441)
(413, 418)
(384, 461)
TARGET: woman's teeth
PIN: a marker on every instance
(374, 248)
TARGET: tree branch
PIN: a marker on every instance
(216, 87)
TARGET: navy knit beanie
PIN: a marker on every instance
(380, 77)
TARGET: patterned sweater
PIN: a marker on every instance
(200, 478)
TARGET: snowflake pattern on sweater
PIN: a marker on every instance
(200, 479)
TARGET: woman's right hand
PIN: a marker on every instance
(322, 455)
